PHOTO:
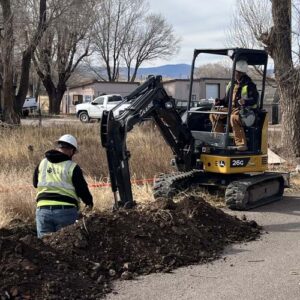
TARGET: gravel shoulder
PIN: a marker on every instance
(265, 269)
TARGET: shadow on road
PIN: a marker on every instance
(288, 205)
(289, 208)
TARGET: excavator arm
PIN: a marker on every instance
(150, 100)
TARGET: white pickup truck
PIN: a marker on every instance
(30, 105)
(94, 110)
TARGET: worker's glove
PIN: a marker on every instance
(241, 102)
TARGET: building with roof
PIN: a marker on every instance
(86, 92)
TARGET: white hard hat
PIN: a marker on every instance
(241, 66)
(69, 139)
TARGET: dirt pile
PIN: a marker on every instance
(79, 261)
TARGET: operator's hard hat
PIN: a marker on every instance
(241, 66)
(68, 139)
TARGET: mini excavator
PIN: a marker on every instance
(201, 156)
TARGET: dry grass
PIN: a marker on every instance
(23, 147)
(215, 198)
(17, 196)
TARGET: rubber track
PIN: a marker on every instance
(236, 195)
(168, 185)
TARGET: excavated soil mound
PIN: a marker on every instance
(79, 261)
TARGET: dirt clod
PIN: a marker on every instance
(79, 261)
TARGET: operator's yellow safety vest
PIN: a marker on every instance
(244, 92)
(56, 178)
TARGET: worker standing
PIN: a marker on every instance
(244, 95)
(60, 184)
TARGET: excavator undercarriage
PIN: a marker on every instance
(240, 192)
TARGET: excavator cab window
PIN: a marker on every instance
(199, 119)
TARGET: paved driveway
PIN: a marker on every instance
(265, 269)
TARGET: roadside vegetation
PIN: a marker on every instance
(23, 147)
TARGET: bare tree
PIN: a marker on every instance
(278, 43)
(125, 34)
(115, 21)
(64, 45)
(27, 53)
(219, 70)
(16, 93)
(270, 25)
(251, 19)
(7, 50)
(152, 39)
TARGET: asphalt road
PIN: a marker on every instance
(265, 269)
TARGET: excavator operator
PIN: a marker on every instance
(244, 94)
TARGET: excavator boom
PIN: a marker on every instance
(150, 100)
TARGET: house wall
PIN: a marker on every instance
(87, 93)
(122, 88)
(220, 81)
(179, 89)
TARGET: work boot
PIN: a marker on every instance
(242, 148)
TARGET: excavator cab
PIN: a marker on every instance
(201, 155)
(213, 144)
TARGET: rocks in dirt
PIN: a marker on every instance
(101, 279)
(128, 266)
(81, 244)
(28, 239)
(112, 272)
(79, 261)
(27, 265)
(126, 275)
(253, 224)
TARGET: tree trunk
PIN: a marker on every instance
(278, 42)
(136, 67)
(55, 94)
(128, 73)
(27, 55)
(37, 89)
(24, 81)
(290, 108)
(9, 115)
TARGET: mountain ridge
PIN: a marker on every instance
(178, 71)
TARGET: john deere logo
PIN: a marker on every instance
(222, 163)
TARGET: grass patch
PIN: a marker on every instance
(23, 147)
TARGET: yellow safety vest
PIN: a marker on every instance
(244, 92)
(56, 178)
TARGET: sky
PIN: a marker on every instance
(199, 24)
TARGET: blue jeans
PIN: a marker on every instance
(51, 220)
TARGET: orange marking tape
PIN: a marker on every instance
(5, 189)
(136, 181)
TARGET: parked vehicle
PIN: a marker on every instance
(94, 110)
(30, 105)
